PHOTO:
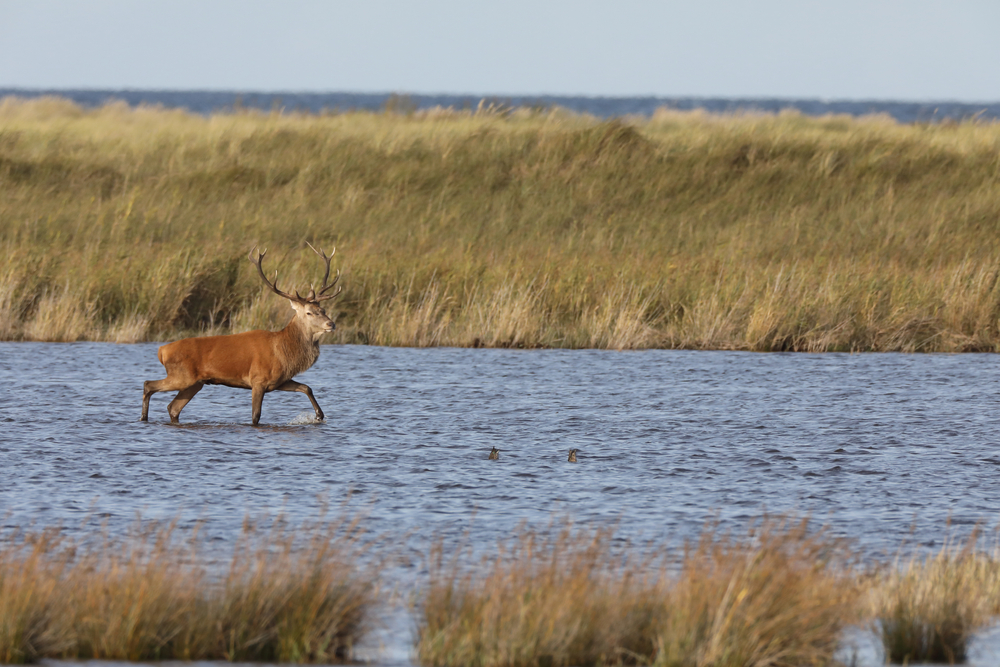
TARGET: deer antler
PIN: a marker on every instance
(273, 285)
(313, 296)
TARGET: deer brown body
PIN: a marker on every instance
(261, 361)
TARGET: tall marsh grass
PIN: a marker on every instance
(500, 228)
(287, 595)
(780, 595)
(928, 609)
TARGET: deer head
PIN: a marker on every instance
(310, 314)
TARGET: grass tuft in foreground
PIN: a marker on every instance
(552, 598)
(33, 617)
(779, 596)
(928, 609)
(288, 595)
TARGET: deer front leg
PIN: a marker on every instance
(292, 385)
(147, 391)
(150, 387)
(182, 399)
(258, 400)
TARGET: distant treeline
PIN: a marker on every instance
(222, 101)
(504, 227)
(219, 101)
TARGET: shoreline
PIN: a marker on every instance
(165, 341)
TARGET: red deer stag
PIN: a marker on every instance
(260, 361)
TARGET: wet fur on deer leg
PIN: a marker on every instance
(292, 385)
(181, 399)
(258, 400)
(150, 387)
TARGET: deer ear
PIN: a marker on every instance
(312, 294)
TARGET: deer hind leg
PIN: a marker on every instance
(150, 387)
(257, 392)
(292, 385)
(181, 399)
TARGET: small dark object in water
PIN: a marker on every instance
(572, 456)
(494, 454)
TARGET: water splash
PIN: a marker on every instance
(305, 418)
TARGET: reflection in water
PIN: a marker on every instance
(886, 448)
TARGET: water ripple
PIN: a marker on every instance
(877, 445)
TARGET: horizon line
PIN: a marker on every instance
(492, 96)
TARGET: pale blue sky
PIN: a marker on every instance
(900, 49)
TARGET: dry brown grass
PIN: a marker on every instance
(32, 615)
(928, 609)
(759, 232)
(288, 595)
(780, 595)
(548, 598)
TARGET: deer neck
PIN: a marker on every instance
(299, 349)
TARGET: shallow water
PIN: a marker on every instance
(885, 448)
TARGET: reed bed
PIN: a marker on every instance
(287, 595)
(780, 595)
(504, 228)
(928, 609)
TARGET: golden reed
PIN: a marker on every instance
(504, 229)
(779, 595)
(927, 609)
(286, 595)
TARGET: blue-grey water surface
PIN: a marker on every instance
(886, 448)
(211, 101)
